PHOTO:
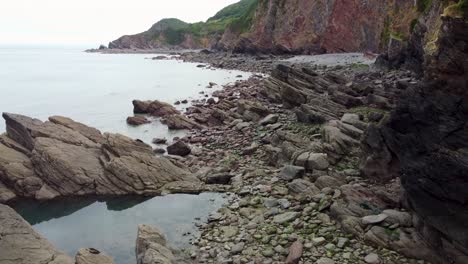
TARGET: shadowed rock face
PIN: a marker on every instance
(426, 139)
(61, 157)
(20, 244)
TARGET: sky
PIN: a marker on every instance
(92, 22)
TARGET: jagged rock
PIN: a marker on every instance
(43, 160)
(155, 108)
(300, 186)
(328, 181)
(6, 194)
(373, 219)
(151, 247)
(179, 148)
(403, 219)
(251, 110)
(406, 241)
(289, 172)
(177, 121)
(312, 161)
(190, 187)
(137, 120)
(269, 119)
(285, 217)
(20, 244)
(92, 256)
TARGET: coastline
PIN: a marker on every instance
(249, 138)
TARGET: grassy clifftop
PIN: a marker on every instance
(238, 17)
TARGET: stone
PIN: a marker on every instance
(179, 148)
(372, 258)
(325, 261)
(229, 231)
(19, 242)
(237, 248)
(177, 122)
(219, 178)
(300, 186)
(328, 181)
(295, 253)
(373, 219)
(159, 141)
(312, 161)
(398, 217)
(137, 120)
(319, 241)
(155, 108)
(289, 172)
(151, 247)
(92, 256)
(285, 217)
(269, 120)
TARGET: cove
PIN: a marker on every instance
(110, 225)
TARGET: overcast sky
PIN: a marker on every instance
(92, 22)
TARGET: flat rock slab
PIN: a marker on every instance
(20, 244)
(285, 217)
(373, 219)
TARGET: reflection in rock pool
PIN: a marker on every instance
(111, 225)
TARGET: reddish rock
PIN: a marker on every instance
(155, 108)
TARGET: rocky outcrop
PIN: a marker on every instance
(20, 244)
(151, 247)
(425, 142)
(60, 157)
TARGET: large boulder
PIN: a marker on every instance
(61, 157)
(179, 148)
(20, 244)
(155, 108)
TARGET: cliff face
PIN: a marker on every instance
(302, 26)
(287, 26)
(427, 133)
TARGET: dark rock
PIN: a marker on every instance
(219, 178)
(179, 148)
(159, 140)
(289, 172)
(137, 120)
(155, 108)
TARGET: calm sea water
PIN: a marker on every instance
(97, 89)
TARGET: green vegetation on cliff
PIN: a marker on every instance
(237, 17)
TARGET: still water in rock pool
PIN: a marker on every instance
(111, 225)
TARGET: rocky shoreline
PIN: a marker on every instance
(294, 170)
(300, 149)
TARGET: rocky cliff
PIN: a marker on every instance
(426, 136)
(288, 26)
